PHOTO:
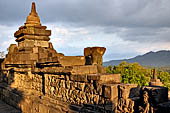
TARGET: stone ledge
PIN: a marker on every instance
(105, 78)
(56, 70)
(45, 38)
(33, 31)
(87, 69)
(72, 60)
(78, 78)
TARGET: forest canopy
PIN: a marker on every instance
(134, 73)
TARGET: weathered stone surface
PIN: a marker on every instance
(5, 108)
(132, 90)
(101, 69)
(79, 77)
(105, 78)
(32, 37)
(159, 94)
(94, 55)
(90, 69)
(33, 17)
(13, 48)
(164, 107)
(111, 91)
(155, 81)
(72, 60)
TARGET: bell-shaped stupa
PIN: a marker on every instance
(33, 43)
(32, 34)
(33, 18)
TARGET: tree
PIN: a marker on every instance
(131, 73)
(164, 78)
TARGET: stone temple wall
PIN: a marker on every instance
(19, 88)
(37, 92)
(34, 78)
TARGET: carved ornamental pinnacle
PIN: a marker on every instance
(155, 81)
(33, 17)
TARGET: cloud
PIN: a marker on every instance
(70, 31)
(132, 13)
(126, 28)
(6, 36)
(145, 35)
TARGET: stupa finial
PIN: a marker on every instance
(33, 18)
(33, 9)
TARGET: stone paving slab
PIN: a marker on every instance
(5, 108)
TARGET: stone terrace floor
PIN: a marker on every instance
(5, 108)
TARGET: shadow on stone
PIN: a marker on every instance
(10, 95)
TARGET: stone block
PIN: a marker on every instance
(93, 77)
(110, 78)
(14, 57)
(43, 55)
(158, 94)
(33, 56)
(26, 43)
(105, 78)
(38, 43)
(101, 69)
(35, 50)
(43, 108)
(32, 31)
(72, 60)
(95, 54)
(13, 48)
(23, 57)
(31, 37)
(110, 91)
(129, 90)
(90, 69)
(78, 77)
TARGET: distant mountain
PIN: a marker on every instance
(156, 59)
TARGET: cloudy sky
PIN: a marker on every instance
(125, 27)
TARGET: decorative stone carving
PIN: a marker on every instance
(145, 106)
(94, 55)
(125, 104)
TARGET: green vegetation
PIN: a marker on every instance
(134, 73)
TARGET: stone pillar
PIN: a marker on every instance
(154, 74)
(155, 81)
